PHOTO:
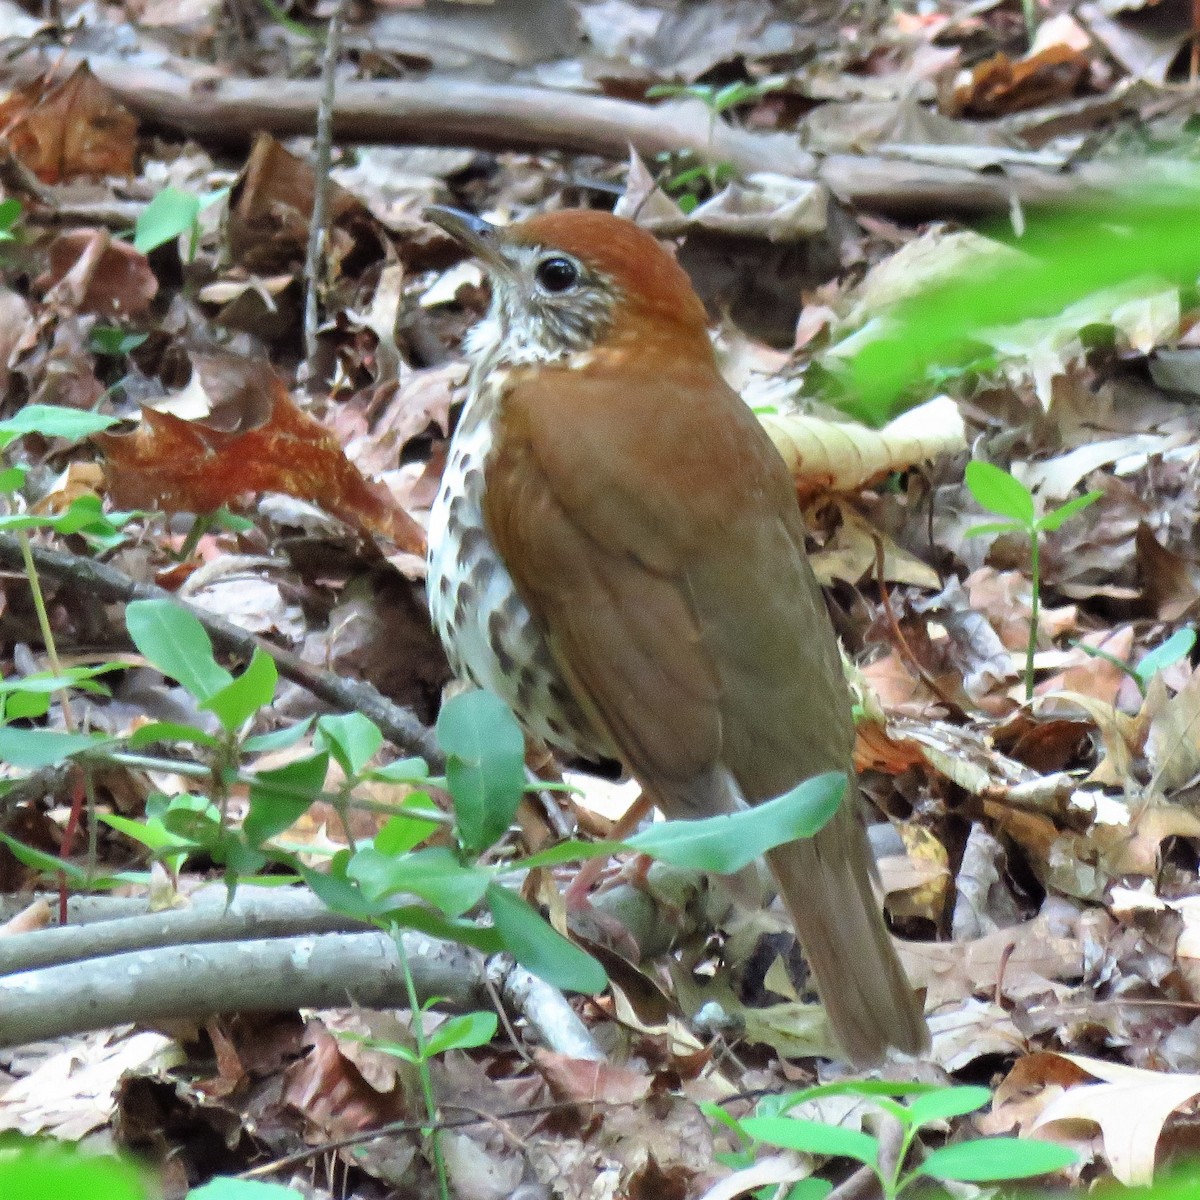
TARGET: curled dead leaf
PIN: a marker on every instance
(254, 439)
(63, 130)
(840, 456)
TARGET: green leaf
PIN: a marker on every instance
(404, 832)
(279, 797)
(12, 478)
(10, 214)
(811, 1188)
(988, 528)
(53, 421)
(173, 640)
(170, 731)
(949, 1102)
(992, 1159)
(45, 682)
(279, 739)
(813, 1137)
(726, 844)
(241, 1189)
(433, 874)
(1177, 646)
(573, 850)
(351, 738)
(544, 951)
(170, 214)
(48, 864)
(462, 1033)
(25, 706)
(56, 1175)
(1000, 492)
(485, 767)
(403, 770)
(152, 834)
(253, 689)
(1064, 512)
(337, 892)
(34, 748)
(112, 341)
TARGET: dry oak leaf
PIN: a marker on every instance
(73, 128)
(841, 456)
(1020, 960)
(1131, 1106)
(1001, 85)
(254, 439)
(94, 272)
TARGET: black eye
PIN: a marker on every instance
(556, 274)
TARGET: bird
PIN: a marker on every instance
(618, 553)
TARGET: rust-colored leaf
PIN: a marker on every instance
(253, 440)
(1003, 85)
(61, 131)
(93, 272)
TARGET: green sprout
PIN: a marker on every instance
(1002, 494)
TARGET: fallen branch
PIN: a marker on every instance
(400, 726)
(457, 112)
(197, 981)
(255, 913)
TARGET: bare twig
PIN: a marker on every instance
(399, 725)
(314, 258)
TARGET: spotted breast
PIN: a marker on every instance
(490, 636)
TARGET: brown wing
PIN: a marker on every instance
(657, 538)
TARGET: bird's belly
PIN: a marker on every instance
(490, 636)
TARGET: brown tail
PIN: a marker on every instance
(826, 884)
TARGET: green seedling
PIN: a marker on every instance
(1002, 494)
(1178, 646)
(914, 1106)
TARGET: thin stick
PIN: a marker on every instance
(314, 258)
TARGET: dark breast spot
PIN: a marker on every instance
(526, 686)
(496, 628)
(472, 541)
(465, 603)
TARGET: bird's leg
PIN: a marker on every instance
(576, 895)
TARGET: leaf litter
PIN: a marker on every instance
(1039, 859)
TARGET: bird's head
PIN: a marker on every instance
(566, 283)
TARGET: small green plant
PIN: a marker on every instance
(1179, 645)
(913, 1105)
(10, 214)
(685, 181)
(718, 100)
(456, 1033)
(113, 342)
(1002, 494)
(171, 214)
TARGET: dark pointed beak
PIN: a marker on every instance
(481, 237)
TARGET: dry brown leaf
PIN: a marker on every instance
(1130, 1105)
(61, 131)
(1173, 738)
(853, 552)
(94, 272)
(1001, 85)
(254, 440)
(1022, 959)
(841, 456)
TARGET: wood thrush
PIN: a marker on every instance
(617, 551)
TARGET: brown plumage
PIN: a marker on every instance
(649, 551)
